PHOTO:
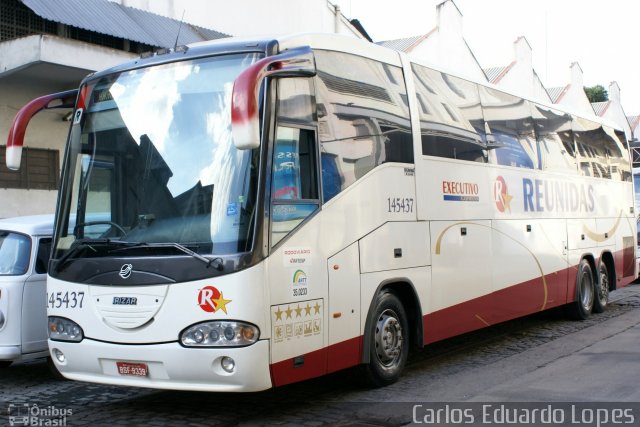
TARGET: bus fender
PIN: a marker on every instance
(404, 289)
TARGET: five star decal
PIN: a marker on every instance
(297, 320)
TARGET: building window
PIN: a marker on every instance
(39, 170)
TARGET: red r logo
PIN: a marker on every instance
(210, 299)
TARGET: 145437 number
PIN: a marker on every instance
(400, 205)
(66, 299)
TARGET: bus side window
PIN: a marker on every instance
(293, 168)
(294, 182)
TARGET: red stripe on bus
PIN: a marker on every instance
(499, 306)
(334, 358)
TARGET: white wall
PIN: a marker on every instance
(574, 97)
(46, 130)
(615, 111)
(446, 48)
(522, 79)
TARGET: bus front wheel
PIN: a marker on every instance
(581, 308)
(388, 341)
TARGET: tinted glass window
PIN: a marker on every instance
(509, 129)
(294, 179)
(42, 257)
(363, 118)
(451, 122)
(15, 251)
(618, 155)
(594, 148)
(555, 140)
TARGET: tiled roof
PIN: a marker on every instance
(556, 93)
(495, 74)
(600, 107)
(406, 44)
(112, 19)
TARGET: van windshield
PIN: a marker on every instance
(14, 253)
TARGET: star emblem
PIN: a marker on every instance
(288, 311)
(221, 303)
(298, 311)
(307, 310)
(506, 198)
(316, 308)
(278, 314)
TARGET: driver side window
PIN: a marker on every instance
(294, 183)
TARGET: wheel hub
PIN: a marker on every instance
(388, 338)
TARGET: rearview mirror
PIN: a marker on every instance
(15, 140)
(245, 123)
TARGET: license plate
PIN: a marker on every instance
(135, 369)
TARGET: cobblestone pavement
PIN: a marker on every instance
(339, 399)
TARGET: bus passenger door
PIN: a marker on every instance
(345, 343)
(296, 267)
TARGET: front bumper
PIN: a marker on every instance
(170, 366)
(10, 352)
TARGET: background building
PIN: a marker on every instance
(50, 45)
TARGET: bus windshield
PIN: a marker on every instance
(151, 162)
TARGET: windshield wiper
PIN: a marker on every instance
(83, 243)
(217, 262)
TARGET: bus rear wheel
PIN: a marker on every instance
(602, 289)
(581, 308)
(388, 341)
(5, 363)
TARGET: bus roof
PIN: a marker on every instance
(327, 41)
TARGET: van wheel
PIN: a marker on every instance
(602, 289)
(581, 308)
(54, 369)
(388, 341)
(5, 363)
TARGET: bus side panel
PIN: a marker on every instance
(345, 343)
(625, 262)
(617, 236)
(537, 264)
(461, 272)
(394, 246)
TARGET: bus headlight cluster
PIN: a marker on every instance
(61, 329)
(220, 334)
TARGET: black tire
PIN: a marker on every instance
(5, 363)
(601, 299)
(54, 369)
(581, 308)
(388, 341)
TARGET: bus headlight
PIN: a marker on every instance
(61, 329)
(219, 333)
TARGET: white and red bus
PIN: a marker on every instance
(274, 210)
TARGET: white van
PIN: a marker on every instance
(25, 244)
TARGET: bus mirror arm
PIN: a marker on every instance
(15, 139)
(245, 99)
